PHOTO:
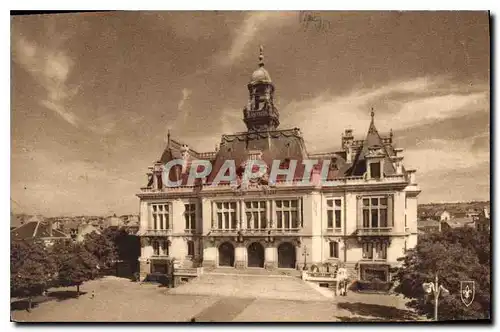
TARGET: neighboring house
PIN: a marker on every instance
(471, 213)
(457, 222)
(482, 221)
(428, 226)
(113, 221)
(85, 229)
(37, 229)
(371, 204)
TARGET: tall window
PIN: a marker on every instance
(226, 215)
(334, 213)
(374, 212)
(287, 214)
(375, 250)
(375, 170)
(156, 248)
(165, 247)
(161, 216)
(190, 216)
(380, 250)
(190, 247)
(256, 214)
(367, 250)
(334, 249)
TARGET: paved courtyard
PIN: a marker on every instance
(214, 297)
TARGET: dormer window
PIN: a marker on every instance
(375, 170)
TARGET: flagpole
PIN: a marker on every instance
(436, 297)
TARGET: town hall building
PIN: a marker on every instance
(364, 219)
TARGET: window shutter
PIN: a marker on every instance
(390, 211)
(359, 206)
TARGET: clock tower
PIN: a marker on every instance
(260, 113)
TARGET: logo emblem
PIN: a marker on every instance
(467, 292)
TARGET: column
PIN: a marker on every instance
(243, 215)
(270, 257)
(209, 255)
(238, 218)
(214, 216)
(268, 214)
(299, 212)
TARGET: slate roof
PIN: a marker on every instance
(280, 145)
(35, 229)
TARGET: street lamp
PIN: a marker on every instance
(436, 289)
(305, 254)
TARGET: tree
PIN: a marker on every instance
(31, 269)
(75, 264)
(128, 246)
(102, 247)
(456, 255)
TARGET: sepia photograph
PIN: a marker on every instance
(250, 166)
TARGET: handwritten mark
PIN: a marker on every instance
(309, 20)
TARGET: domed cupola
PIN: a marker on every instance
(260, 113)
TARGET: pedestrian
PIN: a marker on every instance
(93, 294)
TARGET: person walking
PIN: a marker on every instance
(93, 294)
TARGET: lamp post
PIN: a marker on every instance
(305, 254)
(436, 289)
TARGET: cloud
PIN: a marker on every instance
(52, 184)
(50, 68)
(400, 105)
(446, 155)
(250, 29)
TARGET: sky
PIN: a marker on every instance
(94, 94)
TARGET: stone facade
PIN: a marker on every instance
(364, 219)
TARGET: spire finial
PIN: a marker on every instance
(261, 56)
(372, 114)
(168, 137)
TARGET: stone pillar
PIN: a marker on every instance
(210, 256)
(270, 258)
(144, 268)
(240, 257)
(243, 217)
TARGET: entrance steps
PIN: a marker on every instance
(254, 272)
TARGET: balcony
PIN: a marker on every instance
(367, 231)
(157, 232)
(254, 231)
(333, 231)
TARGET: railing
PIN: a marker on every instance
(374, 231)
(160, 257)
(224, 230)
(285, 230)
(334, 230)
(254, 230)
